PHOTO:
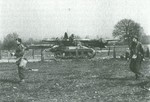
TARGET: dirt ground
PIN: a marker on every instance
(94, 80)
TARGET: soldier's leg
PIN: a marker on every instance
(134, 69)
(21, 73)
(132, 65)
(138, 69)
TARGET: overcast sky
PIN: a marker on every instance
(51, 18)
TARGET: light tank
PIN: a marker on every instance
(72, 52)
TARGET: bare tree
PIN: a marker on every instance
(126, 29)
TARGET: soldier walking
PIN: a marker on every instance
(137, 55)
(21, 61)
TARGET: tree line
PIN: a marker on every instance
(124, 30)
(10, 44)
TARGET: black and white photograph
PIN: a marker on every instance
(74, 51)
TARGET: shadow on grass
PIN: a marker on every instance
(128, 81)
(118, 79)
(140, 84)
(9, 81)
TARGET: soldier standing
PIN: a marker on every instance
(71, 39)
(19, 53)
(137, 54)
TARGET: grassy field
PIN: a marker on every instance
(94, 80)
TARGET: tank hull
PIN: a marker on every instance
(74, 52)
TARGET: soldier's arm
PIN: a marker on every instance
(141, 50)
(23, 48)
(21, 51)
(131, 50)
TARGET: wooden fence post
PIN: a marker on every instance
(114, 52)
(109, 51)
(33, 53)
(42, 55)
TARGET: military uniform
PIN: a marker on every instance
(137, 54)
(20, 55)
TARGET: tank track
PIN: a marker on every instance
(80, 53)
